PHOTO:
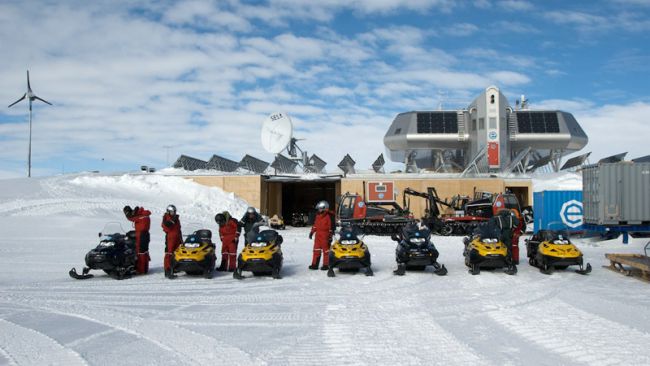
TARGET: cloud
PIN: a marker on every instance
(516, 5)
(462, 30)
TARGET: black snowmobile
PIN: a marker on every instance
(115, 254)
(415, 251)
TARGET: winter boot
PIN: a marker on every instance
(325, 268)
(313, 266)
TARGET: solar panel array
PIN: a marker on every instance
(537, 122)
(222, 164)
(378, 165)
(284, 165)
(190, 163)
(642, 159)
(253, 164)
(575, 161)
(613, 159)
(437, 122)
(347, 164)
(316, 165)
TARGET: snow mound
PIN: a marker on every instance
(564, 181)
(100, 195)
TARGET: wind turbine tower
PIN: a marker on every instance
(30, 97)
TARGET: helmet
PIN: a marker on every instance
(220, 218)
(171, 209)
(322, 205)
(251, 211)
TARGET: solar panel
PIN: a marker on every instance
(575, 161)
(316, 165)
(613, 159)
(347, 164)
(222, 164)
(540, 163)
(284, 164)
(643, 159)
(537, 122)
(253, 164)
(437, 122)
(378, 165)
(189, 163)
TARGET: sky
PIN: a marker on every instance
(133, 82)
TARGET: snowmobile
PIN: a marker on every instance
(262, 255)
(415, 251)
(349, 253)
(552, 249)
(115, 254)
(196, 256)
(276, 223)
(485, 250)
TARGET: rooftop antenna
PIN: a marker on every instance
(167, 147)
(30, 97)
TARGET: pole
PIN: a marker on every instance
(29, 154)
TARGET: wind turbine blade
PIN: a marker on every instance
(21, 98)
(28, 86)
(42, 100)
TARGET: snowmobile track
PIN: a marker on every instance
(577, 334)
(26, 346)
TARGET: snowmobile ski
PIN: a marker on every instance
(441, 270)
(83, 276)
(584, 271)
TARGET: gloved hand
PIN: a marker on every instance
(311, 234)
(128, 211)
(168, 223)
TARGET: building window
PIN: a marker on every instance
(473, 124)
(397, 131)
(481, 124)
(493, 123)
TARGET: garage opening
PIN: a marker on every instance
(301, 198)
(297, 198)
(522, 195)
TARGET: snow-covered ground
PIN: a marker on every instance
(47, 225)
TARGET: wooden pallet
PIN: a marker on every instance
(638, 265)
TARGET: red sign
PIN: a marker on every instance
(493, 154)
(380, 192)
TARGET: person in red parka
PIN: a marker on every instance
(171, 225)
(142, 223)
(324, 229)
(229, 231)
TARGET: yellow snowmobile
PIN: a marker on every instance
(196, 256)
(552, 249)
(262, 255)
(349, 253)
(485, 250)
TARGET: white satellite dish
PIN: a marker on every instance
(277, 131)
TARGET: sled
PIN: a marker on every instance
(633, 265)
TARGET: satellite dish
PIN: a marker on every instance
(277, 131)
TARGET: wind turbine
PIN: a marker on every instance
(30, 96)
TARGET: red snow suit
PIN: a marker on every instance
(171, 225)
(142, 224)
(229, 234)
(322, 229)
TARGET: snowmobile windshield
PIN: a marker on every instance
(265, 238)
(348, 236)
(111, 228)
(486, 232)
(417, 235)
(557, 236)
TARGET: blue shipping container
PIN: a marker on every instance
(564, 207)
